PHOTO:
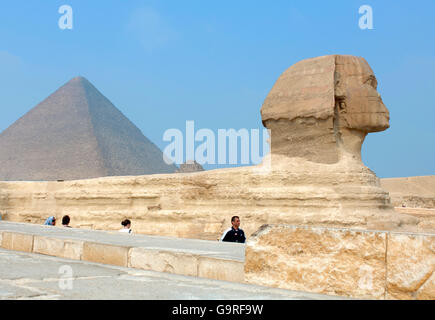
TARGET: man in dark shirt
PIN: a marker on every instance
(234, 234)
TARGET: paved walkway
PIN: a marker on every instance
(35, 276)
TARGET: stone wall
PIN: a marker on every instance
(346, 262)
(200, 205)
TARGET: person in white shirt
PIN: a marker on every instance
(127, 226)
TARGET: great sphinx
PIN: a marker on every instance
(319, 111)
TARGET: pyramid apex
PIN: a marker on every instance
(78, 81)
(78, 78)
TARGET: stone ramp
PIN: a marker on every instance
(190, 257)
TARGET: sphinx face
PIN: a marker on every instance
(359, 104)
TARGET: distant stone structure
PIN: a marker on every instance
(190, 166)
(411, 192)
(76, 133)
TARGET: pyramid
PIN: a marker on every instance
(76, 133)
(190, 166)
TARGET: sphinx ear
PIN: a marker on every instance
(339, 93)
(340, 102)
(340, 112)
(341, 107)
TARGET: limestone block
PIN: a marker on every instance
(164, 261)
(17, 241)
(1, 238)
(411, 266)
(105, 253)
(332, 261)
(220, 269)
(70, 249)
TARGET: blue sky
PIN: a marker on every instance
(164, 62)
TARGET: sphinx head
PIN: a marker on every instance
(321, 109)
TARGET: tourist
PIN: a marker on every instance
(234, 234)
(65, 221)
(127, 226)
(51, 221)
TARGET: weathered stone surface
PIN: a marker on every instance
(70, 249)
(362, 264)
(425, 216)
(306, 89)
(414, 196)
(164, 261)
(105, 253)
(220, 269)
(411, 266)
(201, 204)
(321, 260)
(17, 241)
